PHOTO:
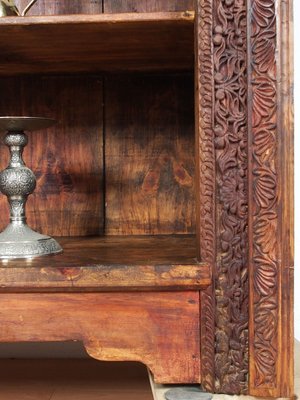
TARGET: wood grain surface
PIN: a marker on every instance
(115, 6)
(160, 330)
(54, 7)
(271, 270)
(66, 159)
(110, 263)
(149, 155)
(57, 7)
(91, 43)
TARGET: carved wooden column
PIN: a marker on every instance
(244, 118)
(271, 200)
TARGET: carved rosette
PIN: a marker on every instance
(264, 223)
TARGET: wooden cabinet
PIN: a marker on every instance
(167, 180)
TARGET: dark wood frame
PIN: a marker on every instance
(245, 170)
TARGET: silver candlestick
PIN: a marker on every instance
(17, 182)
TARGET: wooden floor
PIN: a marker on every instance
(88, 379)
(73, 379)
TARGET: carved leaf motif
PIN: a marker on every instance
(263, 11)
(263, 100)
(206, 186)
(266, 252)
(264, 141)
(265, 276)
(265, 234)
(264, 187)
(264, 50)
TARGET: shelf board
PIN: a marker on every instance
(97, 43)
(111, 263)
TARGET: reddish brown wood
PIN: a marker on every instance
(111, 263)
(90, 43)
(222, 172)
(66, 159)
(161, 330)
(149, 152)
(116, 6)
(271, 200)
(243, 186)
(205, 182)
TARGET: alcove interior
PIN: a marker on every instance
(121, 159)
(59, 370)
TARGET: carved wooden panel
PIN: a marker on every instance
(244, 122)
(222, 53)
(205, 180)
(270, 223)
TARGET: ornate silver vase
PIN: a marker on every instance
(17, 182)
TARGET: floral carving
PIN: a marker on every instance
(265, 251)
(222, 126)
(230, 127)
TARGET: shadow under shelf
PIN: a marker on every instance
(111, 263)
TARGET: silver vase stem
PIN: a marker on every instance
(17, 182)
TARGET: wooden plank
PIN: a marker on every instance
(149, 153)
(91, 43)
(66, 159)
(54, 7)
(117, 6)
(110, 263)
(160, 330)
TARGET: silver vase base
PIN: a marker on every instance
(20, 241)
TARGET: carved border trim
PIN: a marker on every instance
(205, 179)
(263, 222)
(270, 184)
(264, 32)
(222, 126)
(230, 126)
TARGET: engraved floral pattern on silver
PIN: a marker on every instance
(17, 182)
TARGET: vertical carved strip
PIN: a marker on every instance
(205, 179)
(222, 140)
(230, 126)
(269, 227)
(263, 221)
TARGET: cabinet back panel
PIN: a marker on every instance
(66, 159)
(118, 6)
(148, 148)
(56, 7)
(149, 155)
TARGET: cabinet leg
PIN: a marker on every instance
(172, 392)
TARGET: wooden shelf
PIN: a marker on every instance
(111, 263)
(92, 43)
